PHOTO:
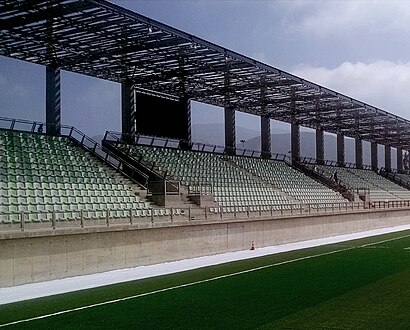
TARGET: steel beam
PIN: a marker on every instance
(320, 146)
(399, 159)
(185, 108)
(265, 137)
(53, 101)
(230, 146)
(128, 109)
(340, 146)
(295, 142)
(374, 156)
(358, 152)
(55, 33)
(387, 157)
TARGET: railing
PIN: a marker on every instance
(395, 170)
(318, 174)
(166, 187)
(394, 176)
(106, 156)
(81, 139)
(158, 183)
(162, 142)
(149, 167)
(314, 161)
(159, 217)
(22, 125)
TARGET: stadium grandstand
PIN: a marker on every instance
(172, 198)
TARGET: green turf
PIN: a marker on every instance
(365, 288)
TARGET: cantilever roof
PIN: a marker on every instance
(100, 39)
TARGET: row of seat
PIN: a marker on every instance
(262, 181)
(43, 175)
(379, 187)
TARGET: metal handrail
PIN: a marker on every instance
(163, 142)
(52, 219)
(107, 156)
(315, 161)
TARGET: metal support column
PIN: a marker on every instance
(295, 142)
(230, 136)
(128, 109)
(399, 159)
(265, 122)
(374, 156)
(53, 101)
(265, 137)
(387, 157)
(185, 105)
(320, 146)
(294, 129)
(230, 146)
(359, 152)
(340, 149)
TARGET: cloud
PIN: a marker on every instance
(330, 18)
(384, 84)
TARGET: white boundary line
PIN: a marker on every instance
(200, 282)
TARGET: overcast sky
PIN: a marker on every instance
(359, 48)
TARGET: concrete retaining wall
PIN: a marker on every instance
(41, 256)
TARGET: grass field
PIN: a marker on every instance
(361, 284)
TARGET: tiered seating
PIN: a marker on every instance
(42, 174)
(380, 188)
(238, 181)
(404, 177)
(289, 180)
(216, 174)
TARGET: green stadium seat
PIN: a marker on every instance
(51, 174)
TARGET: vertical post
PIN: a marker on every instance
(265, 122)
(185, 106)
(295, 142)
(359, 152)
(128, 124)
(22, 223)
(294, 130)
(399, 159)
(265, 137)
(374, 156)
(82, 219)
(230, 130)
(53, 101)
(387, 157)
(340, 149)
(230, 138)
(320, 146)
(53, 220)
